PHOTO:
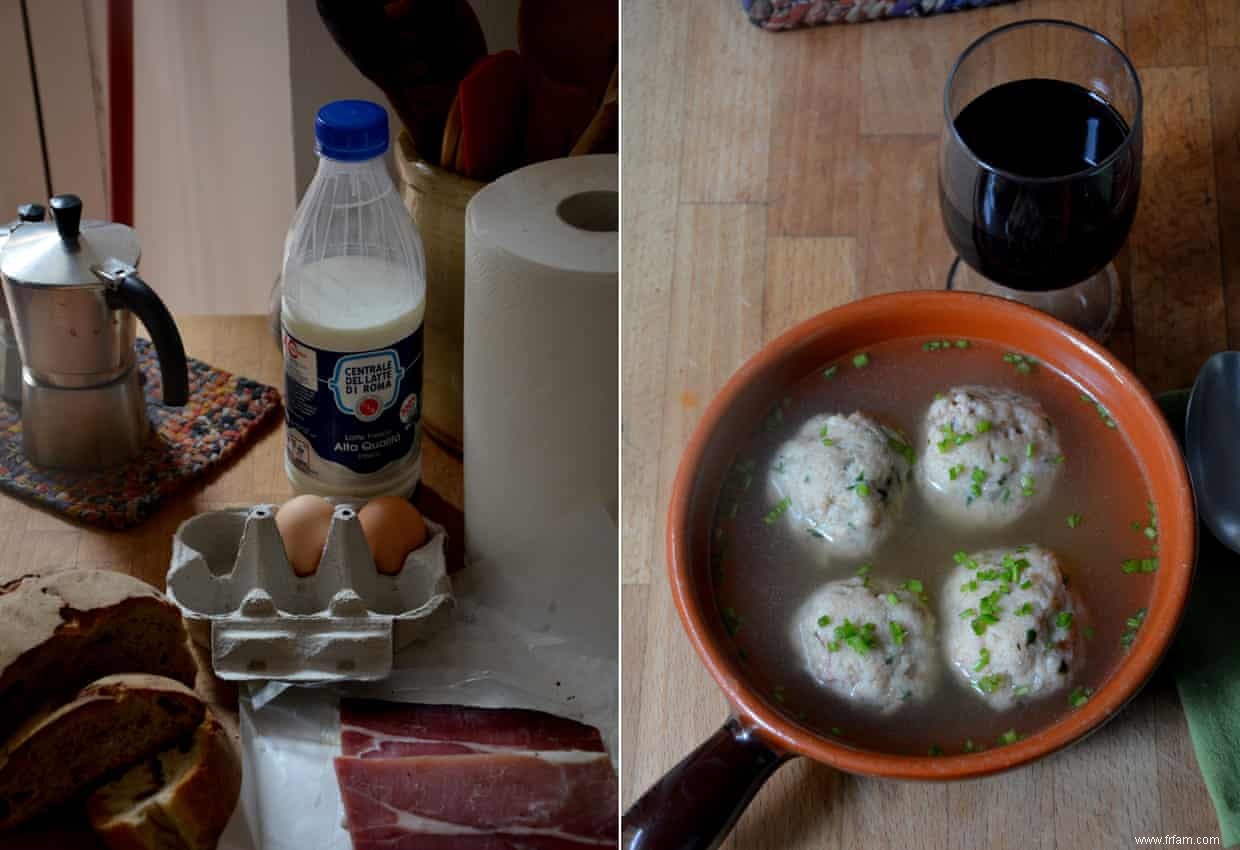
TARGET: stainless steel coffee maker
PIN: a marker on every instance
(73, 292)
(10, 358)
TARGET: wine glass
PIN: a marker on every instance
(1041, 167)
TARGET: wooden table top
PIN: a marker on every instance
(32, 539)
(768, 177)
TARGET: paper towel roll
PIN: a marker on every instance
(541, 358)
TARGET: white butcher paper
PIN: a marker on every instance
(535, 628)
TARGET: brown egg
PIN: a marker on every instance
(303, 522)
(394, 528)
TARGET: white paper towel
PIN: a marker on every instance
(541, 359)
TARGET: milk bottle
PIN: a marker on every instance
(353, 300)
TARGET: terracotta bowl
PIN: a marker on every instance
(706, 792)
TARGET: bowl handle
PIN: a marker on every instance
(696, 803)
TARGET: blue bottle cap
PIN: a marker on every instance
(351, 130)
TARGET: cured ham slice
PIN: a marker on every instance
(445, 777)
(479, 802)
(377, 729)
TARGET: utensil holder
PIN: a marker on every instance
(437, 199)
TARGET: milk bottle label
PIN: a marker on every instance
(357, 409)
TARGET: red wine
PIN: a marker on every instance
(1041, 215)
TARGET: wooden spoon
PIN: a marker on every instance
(451, 135)
(493, 107)
(417, 51)
(572, 41)
(602, 135)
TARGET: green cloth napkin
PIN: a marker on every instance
(1205, 661)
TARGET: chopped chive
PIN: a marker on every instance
(861, 360)
(1025, 610)
(824, 621)
(1088, 631)
(861, 639)
(778, 511)
(1011, 736)
(1031, 637)
(967, 613)
(1079, 696)
(979, 475)
(1074, 520)
(983, 426)
(913, 585)
(835, 730)
(982, 660)
(864, 569)
(1059, 458)
(1151, 532)
(934, 750)
(981, 622)
(898, 633)
(830, 371)
(1064, 620)
(1026, 584)
(939, 396)
(903, 448)
(962, 343)
(893, 599)
(1023, 690)
(954, 472)
(1026, 485)
(1132, 565)
(990, 684)
(961, 557)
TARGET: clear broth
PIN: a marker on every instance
(763, 572)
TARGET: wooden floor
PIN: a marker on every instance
(769, 177)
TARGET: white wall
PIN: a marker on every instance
(213, 183)
(225, 97)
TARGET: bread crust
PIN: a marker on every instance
(59, 631)
(188, 809)
(112, 723)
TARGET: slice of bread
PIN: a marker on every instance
(62, 630)
(179, 799)
(111, 724)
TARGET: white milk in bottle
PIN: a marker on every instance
(352, 304)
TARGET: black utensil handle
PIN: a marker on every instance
(695, 805)
(132, 292)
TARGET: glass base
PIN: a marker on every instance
(1090, 306)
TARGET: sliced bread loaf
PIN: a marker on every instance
(111, 724)
(179, 799)
(62, 630)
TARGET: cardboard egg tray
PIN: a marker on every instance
(241, 599)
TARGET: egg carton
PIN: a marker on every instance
(241, 599)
